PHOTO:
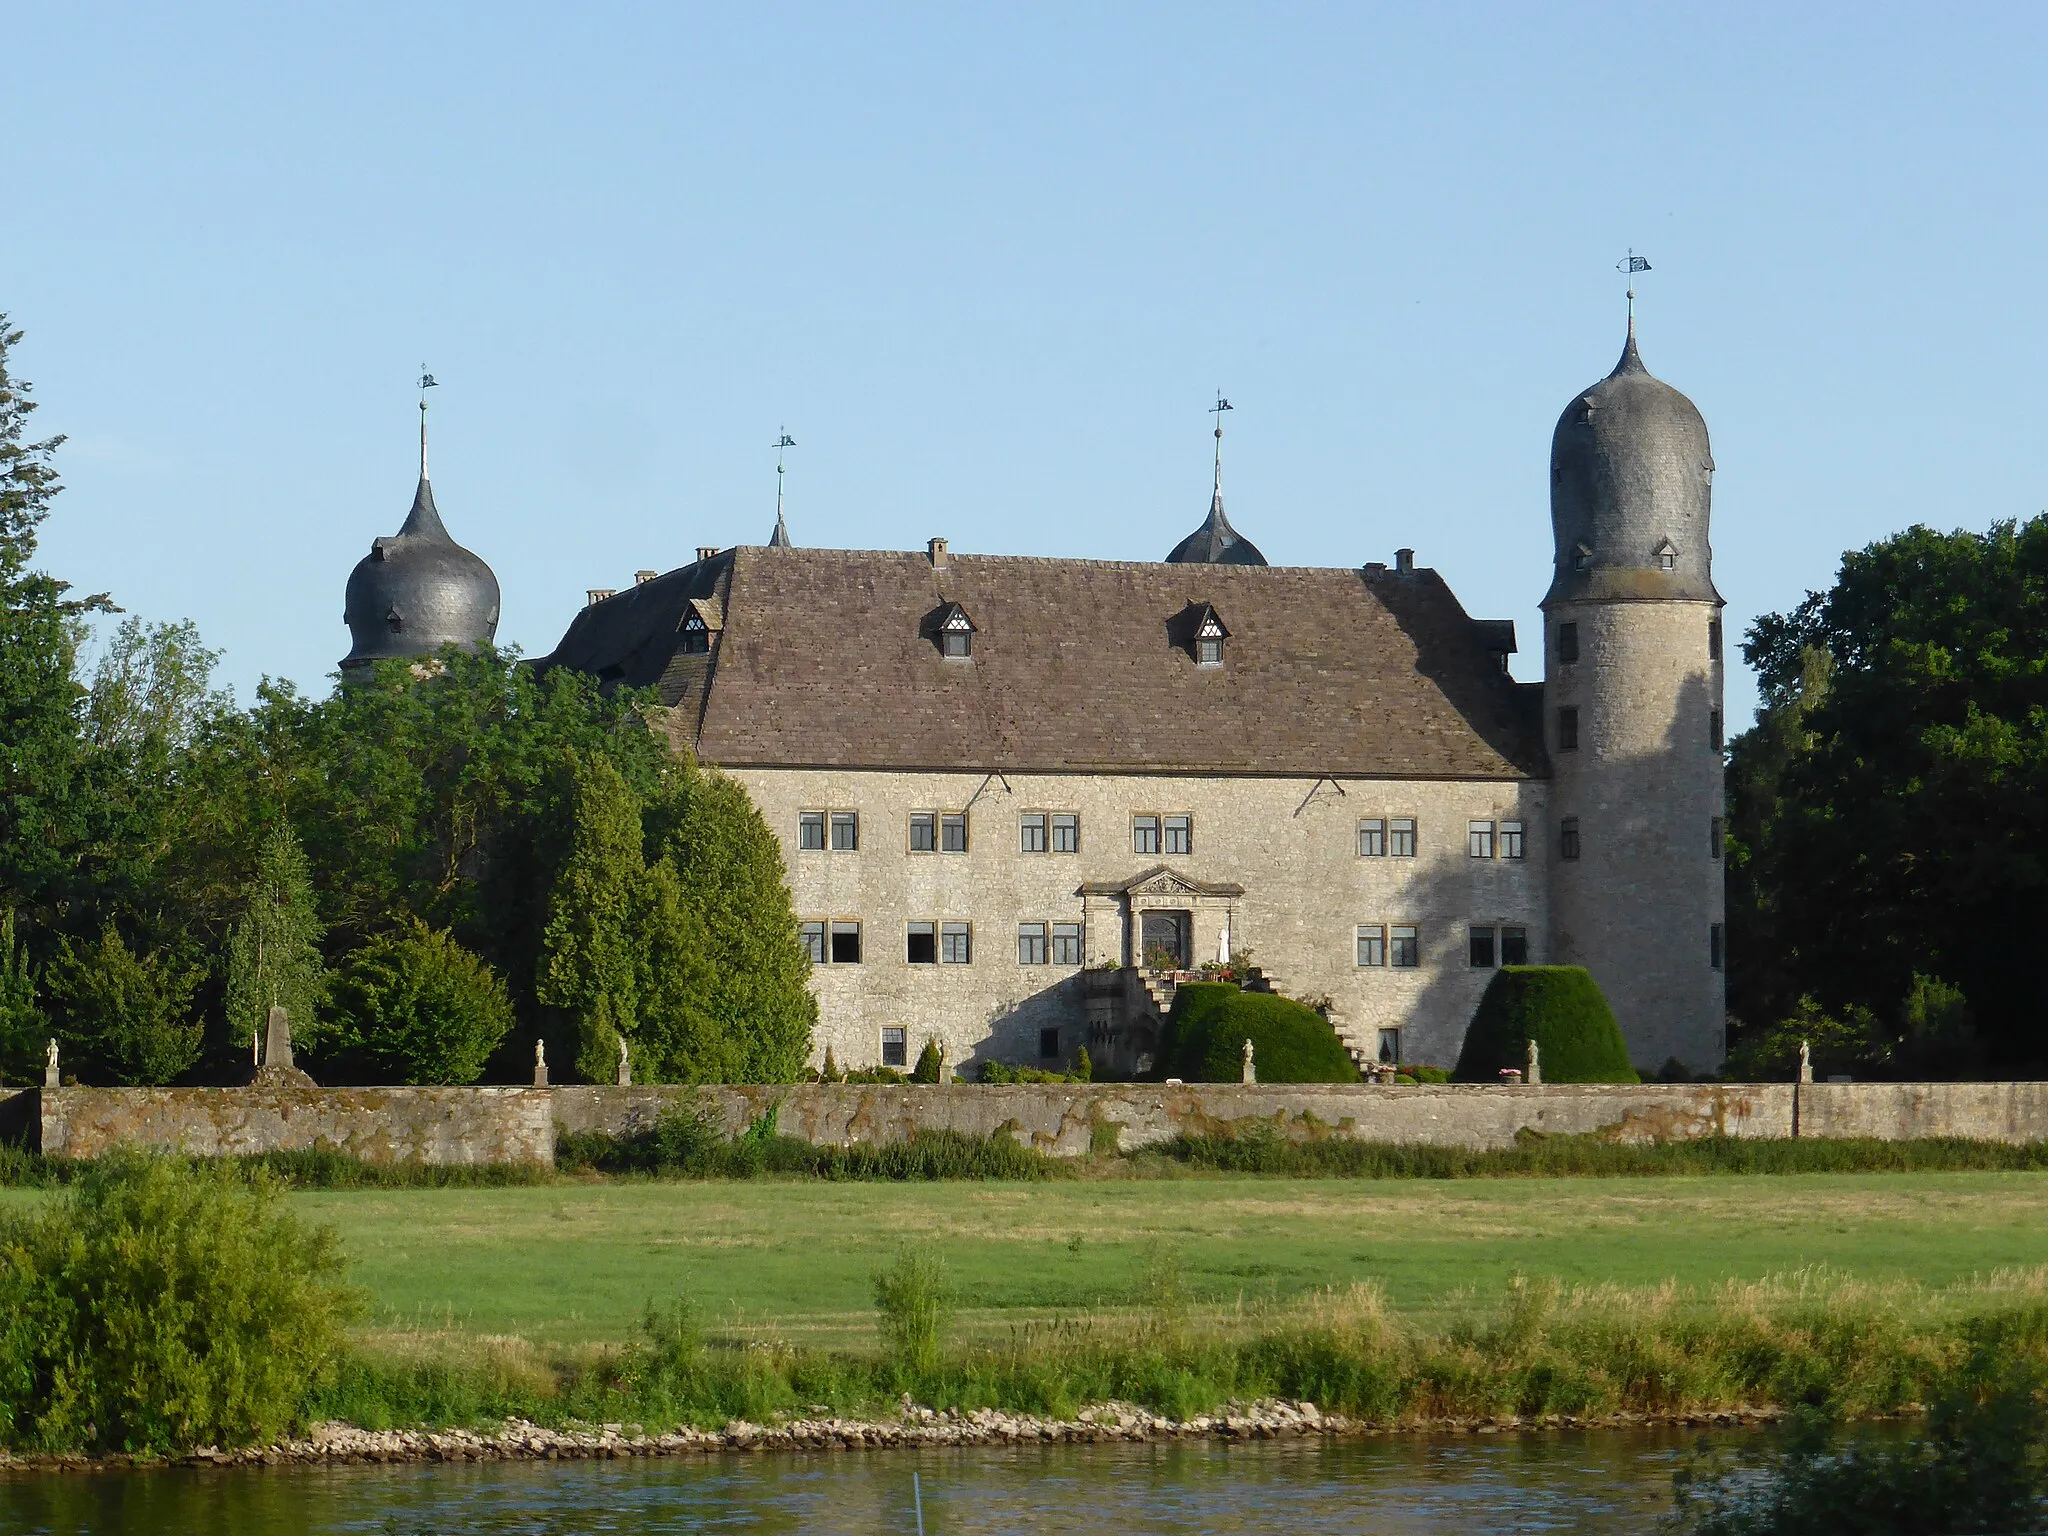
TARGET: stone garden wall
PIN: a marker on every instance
(503, 1125)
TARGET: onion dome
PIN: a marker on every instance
(1631, 476)
(418, 591)
(1216, 542)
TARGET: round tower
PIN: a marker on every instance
(1633, 714)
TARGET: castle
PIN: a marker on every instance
(1018, 796)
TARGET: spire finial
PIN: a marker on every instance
(426, 383)
(783, 442)
(1632, 264)
(1217, 411)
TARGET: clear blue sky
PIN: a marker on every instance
(989, 264)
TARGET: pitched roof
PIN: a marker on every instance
(827, 660)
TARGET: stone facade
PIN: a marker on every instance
(1289, 845)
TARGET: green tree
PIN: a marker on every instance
(40, 809)
(1891, 806)
(274, 950)
(21, 1020)
(730, 865)
(590, 971)
(416, 1007)
(127, 1016)
(678, 1037)
(1562, 1009)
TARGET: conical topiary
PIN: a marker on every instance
(1562, 1009)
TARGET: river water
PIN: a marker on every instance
(1595, 1482)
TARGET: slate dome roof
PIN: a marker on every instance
(1631, 480)
(418, 591)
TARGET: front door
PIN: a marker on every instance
(1164, 940)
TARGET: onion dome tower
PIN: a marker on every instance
(419, 590)
(1633, 716)
(1216, 542)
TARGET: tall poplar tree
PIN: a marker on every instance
(274, 949)
(588, 970)
(21, 1021)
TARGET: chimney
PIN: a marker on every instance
(936, 549)
(1404, 562)
(597, 595)
(641, 578)
(705, 552)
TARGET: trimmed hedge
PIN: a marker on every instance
(1211, 1021)
(1562, 1009)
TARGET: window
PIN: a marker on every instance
(1405, 950)
(957, 643)
(1144, 834)
(1568, 838)
(1514, 946)
(1479, 839)
(813, 937)
(1713, 639)
(1066, 943)
(1372, 945)
(1401, 837)
(1567, 730)
(1714, 838)
(1667, 558)
(895, 1048)
(1031, 943)
(1567, 643)
(696, 638)
(810, 829)
(1511, 840)
(953, 832)
(846, 943)
(845, 831)
(1180, 834)
(1390, 1047)
(1372, 838)
(1066, 834)
(1031, 832)
(1209, 650)
(956, 943)
(1716, 946)
(1714, 729)
(1481, 945)
(924, 831)
(1048, 1044)
(923, 945)
(1582, 559)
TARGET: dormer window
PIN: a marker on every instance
(1209, 642)
(1197, 630)
(955, 633)
(701, 620)
(1582, 558)
(1667, 556)
(696, 638)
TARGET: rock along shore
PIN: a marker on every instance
(518, 1440)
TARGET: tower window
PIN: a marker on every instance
(1401, 837)
(1582, 558)
(1514, 946)
(1568, 838)
(1713, 639)
(1717, 946)
(1480, 943)
(1714, 837)
(1568, 729)
(1567, 643)
(1667, 556)
(1511, 839)
(1714, 729)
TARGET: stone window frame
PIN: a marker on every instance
(949, 823)
(1479, 839)
(1482, 947)
(812, 935)
(1370, 946)
(1389, 1046)
(1514, 840)
(1033, 946)
(895, 1043)
(1063, 821)
(956, 943)
(927, 824)
(1067, 939)
(1029, 822)
(921, 954)
(1399, 934)
(807, 823)
(1186, 829)
(843, 928)
(849, 823)
(1400, 828)
(1514, 933)
(1372, 837)
(1143, 823)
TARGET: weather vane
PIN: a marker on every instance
(1632, 264)
(426, 383)
(783, 442)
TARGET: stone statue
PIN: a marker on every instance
(625, 1065)
(1251, 1073)
(1533, 1071)
(256, 1049)
(50, 1078)
(540, 1064)
(1805, 1062)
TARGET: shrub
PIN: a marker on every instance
(157, 1306)
(931, 1063)
(416, 1007)
(1561, 1008)
(1211, 1021)
(915, 1299)
(129, 1015)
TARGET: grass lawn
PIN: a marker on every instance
(576, 1262)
